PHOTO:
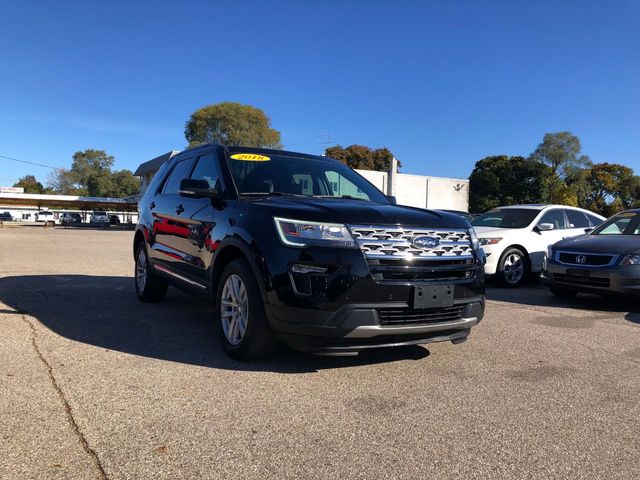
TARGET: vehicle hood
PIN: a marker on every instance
(354, 212)
(619, 244)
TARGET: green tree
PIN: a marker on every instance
(613, 188)
(503, 180)
(556, 190)
(91, 172)
(231, 124)
(124, 184)
(561, 151)
(61, 181)
(362, 157)
(30, 184)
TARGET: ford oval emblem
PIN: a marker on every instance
(425, 242)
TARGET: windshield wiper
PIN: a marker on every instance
(271, 194)
(347, 197)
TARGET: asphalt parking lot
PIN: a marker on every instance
(95, 384)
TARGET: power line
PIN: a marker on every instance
(325, 139)
(26, 161)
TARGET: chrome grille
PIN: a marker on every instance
(396, 242)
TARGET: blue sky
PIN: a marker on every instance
(442, 84)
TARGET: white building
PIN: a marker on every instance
(421, 191)
(148, 169)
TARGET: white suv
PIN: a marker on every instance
(45, 216)
(516, 238)
(99, 216)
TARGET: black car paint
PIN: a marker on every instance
(190, 239)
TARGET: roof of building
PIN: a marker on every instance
(84, 203)
(154, 164)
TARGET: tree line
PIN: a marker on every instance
(229, 123)
(91, 174)
(234, 124)
(555, 172)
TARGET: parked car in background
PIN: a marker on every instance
(605, 261)
(301, 250)
(515, 238)
(45, 216)
(99, 216)
(6, 217)
(69, 219)
(114, 220)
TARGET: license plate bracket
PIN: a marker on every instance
(432, 296)
(578, 275)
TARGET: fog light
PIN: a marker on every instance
(297, 268)
(309, 280)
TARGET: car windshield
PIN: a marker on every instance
(99, 213)
(507, 218)
(272, 174)
(626, 223)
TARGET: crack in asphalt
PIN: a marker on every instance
(67, 408)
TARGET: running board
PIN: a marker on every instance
(179, 277)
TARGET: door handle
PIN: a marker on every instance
(152, 205)
(179, 209)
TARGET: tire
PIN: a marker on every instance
(562, 292)
(513, 268)
(241, 322)
(149, 287)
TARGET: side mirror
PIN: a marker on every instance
(392, 199)
(196, 188)
(545, 227)
(588, 229)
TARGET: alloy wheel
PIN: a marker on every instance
(513, 268)
(141, 270)
(234, 306)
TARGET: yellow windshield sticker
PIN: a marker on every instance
(250, 157)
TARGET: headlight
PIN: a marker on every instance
(299, 233)
(490, 241)
(474, 239)
(631, 259)
(549, 251)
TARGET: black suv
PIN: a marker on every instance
(301, 250)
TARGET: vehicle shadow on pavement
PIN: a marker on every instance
(535, 294)
(105, 312)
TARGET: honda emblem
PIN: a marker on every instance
(581, 258)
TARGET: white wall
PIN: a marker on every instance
(411, 190)
(379, 179)
(448, 193)
(423, 191)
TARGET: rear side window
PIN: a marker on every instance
(207, 169)
(577, 219)
(595, 221)
(179, 173)
(554, 217)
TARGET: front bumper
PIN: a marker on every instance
(492, 253)
(339, 310)
(617, 279)
(356, 327)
